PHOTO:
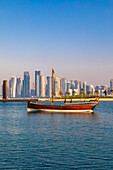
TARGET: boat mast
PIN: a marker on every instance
(52, 85)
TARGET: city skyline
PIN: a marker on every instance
(42, 86)
(74, 37)
(32, 81)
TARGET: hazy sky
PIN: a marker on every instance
(73, 36)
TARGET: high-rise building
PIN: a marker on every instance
(84, 87)
(49, 86)
(87, 89)
(12, 87)
(46, 90)
(111, 84)
(108, 90)
(92, 89)
(9, 90)
(68, 86)
(18, 87)
(33, 86)
(26, 84)
(102, 89)
(98, 88)
(57, 86)
(42, 86)
(22, 89)
(37, 83)
(33, 89)
(78, 86)
(63, 85)
(5, 89)
(72, 85)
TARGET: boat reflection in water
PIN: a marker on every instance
(73, 115)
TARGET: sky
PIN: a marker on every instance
(75, 37)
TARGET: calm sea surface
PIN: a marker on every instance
(55, 141)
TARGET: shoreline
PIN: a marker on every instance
(87, 99)
(55, 100)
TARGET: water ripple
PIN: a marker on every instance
(55, 141)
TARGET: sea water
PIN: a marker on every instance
(56, 141)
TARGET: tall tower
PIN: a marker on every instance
(78, 86)
(49, 86)
(63, 85)
(111, 84)
(22, 89)
(37, 83)
(92, 89)
(5, 89)
(18, 87)
(26, 84)
(57, 86)
(68, 86)
(42, 86)
(72, 85)
(12, 86)
(84, 87)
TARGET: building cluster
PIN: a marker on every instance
(42, 87)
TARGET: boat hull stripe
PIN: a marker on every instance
(55, 110)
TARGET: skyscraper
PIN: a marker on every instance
(98, 88)
(72, 85)
(49, 86)
(22, 89)
(42, 86)
(102, 89)
(57, 86)
(63, 85)
(78, 87)
(84, 87)
(68, 86)
(33, 89)
(111, 84)
(18, 87)
(76, 84)
(92, 89)
(87, 89)
(37, 83)
(4, 89)
(12, 87)
(26, 84)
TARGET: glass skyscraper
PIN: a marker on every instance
(84, 87)
(42, 86)
(12, 87)
(49, 86)
(111, 84)
(63, 85)
(26, 84)
(18, 87)
(37, 83)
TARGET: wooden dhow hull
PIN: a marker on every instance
(68, 108)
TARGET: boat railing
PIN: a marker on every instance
(96, 101)
(81, 103)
